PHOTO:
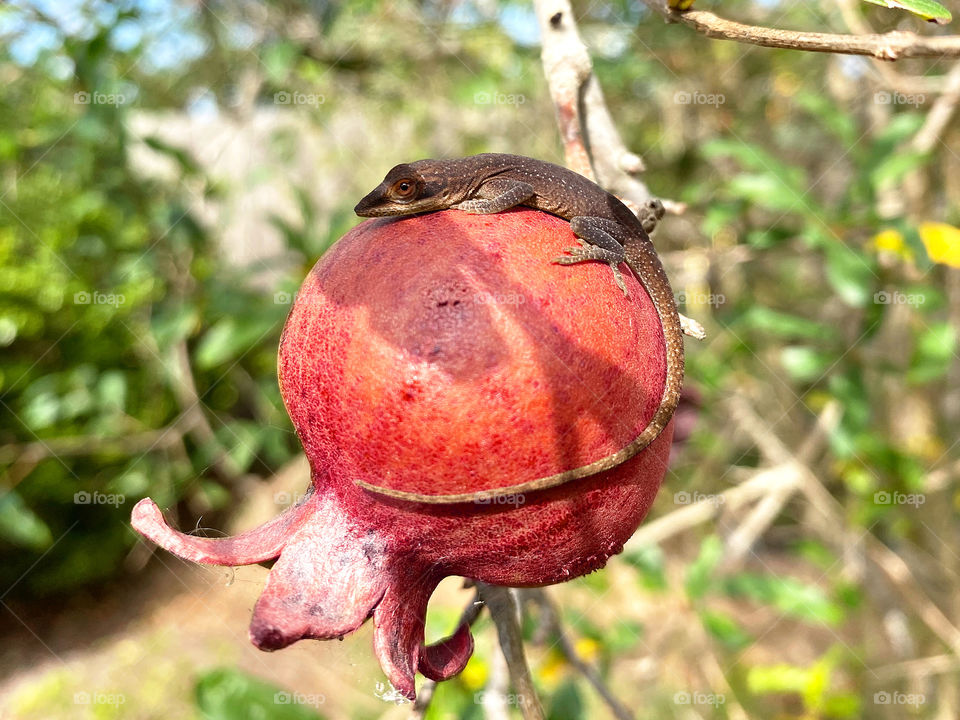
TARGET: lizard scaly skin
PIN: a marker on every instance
(608, 230)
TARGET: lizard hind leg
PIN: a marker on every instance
(597, 242)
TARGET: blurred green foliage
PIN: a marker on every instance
(139, 360)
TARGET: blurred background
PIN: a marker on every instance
(169, 172)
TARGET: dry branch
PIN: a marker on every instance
(882, 46)
(553, 625)
(503, 609)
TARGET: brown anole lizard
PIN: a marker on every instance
(608, 230)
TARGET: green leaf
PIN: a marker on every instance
(850, 274)
(20, 526)
(767, 191)
(805, 364)
(623, 636)
(894, 167)
(566, 703)
(927, 9)
(699, 575)
(649, 564)
(779, 324)
(789, 596)
(228, 694)
(934, 353)
(825, 109)
(781, 678)
(229, 339)
(725, 629)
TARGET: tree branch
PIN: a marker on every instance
(503, 609)
(591, 142)
(883, 46)
(554, 626)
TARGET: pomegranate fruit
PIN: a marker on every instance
(447, 353)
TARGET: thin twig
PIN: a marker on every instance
(185, 390)
(741, 541)
(757, 486)
(81, 445)
(503, 609)
(907, 84)
(552, 620)
(883, 46)
(495, 703)
(891, 564)
(940, 114)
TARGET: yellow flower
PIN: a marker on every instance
(942, 242)
(891, 241)
(586, 649)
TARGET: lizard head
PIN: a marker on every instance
(407, 189)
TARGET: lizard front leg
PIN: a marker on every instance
(497, 195)
(598, 240)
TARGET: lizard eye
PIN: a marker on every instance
(403, 189)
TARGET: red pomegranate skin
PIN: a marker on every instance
(445, 353)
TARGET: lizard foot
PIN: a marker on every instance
(587, 252)
(651, 214)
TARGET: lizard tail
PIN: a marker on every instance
(642, 258)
